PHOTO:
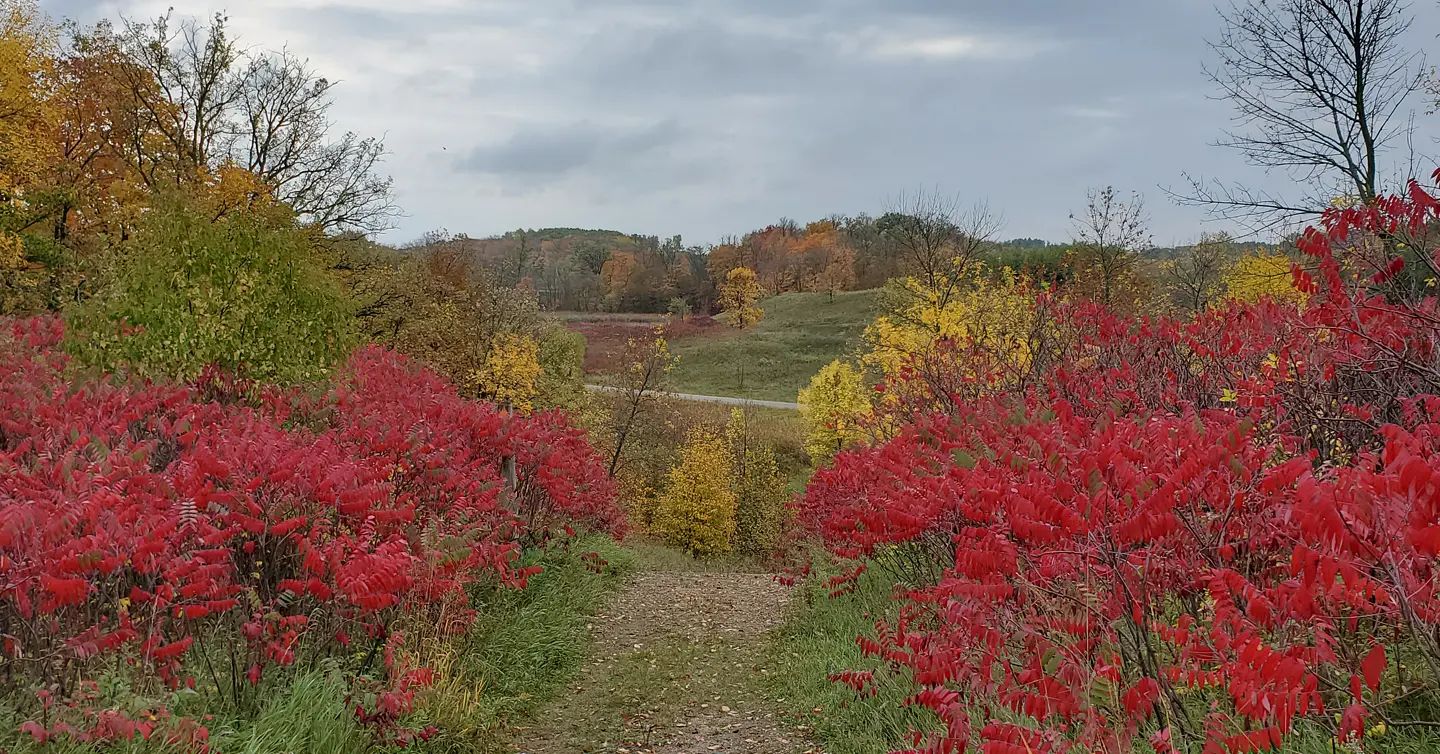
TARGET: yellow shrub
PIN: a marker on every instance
(992, 312)
(834, 407)
(696, 512)
(1259, 275)
(12, 251)
(759, 489)
(511, 371)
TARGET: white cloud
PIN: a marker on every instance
(952, 47)
(900, 45)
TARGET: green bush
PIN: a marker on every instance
(760, 489)
(240, 292)
(562, 370)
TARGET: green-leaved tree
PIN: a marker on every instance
(240, 292)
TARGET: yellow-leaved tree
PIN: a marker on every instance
(992, 312)
(511, 371)
(740, 297)
(834, 407)
(1259, 275)
(27, 146)
(696, 512)
(231, 189)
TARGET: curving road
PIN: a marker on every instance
(722, 399)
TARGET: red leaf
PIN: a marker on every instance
(1373, 666)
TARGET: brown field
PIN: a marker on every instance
(605, 334)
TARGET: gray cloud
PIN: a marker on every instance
(694, 58)
(712, 117)
(544, 150)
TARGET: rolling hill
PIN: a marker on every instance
(800, 333)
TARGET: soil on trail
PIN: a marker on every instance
(675, 668)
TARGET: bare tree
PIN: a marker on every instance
(518, 259)
(178, 81)
(284, 137)
(1319, 88)
(647, 363)
(1195, 277)
(937, 238)
(1108, 237)
(212, 103)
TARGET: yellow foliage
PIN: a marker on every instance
(12, 251)
(647, 361)
(27, 122)
(1260, 275)
(27, 45)
(740, 297)
(231, 188)
(760, 489)
(834, 407)
(511, 371)
(696, 512)
(995, 313)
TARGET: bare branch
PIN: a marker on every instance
(1316, 87)
(938, 237)
(1108, 237)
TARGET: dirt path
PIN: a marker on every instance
(675, 669)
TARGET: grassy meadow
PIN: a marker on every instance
(800, 333)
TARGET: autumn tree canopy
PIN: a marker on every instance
(740, 297)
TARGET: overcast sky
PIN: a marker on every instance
(711, 118)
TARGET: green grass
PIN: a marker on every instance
(651, 554)
(308, 715)
(818, 638)
(307, 712)
(642, 693)
(523, 649)
(800, 333)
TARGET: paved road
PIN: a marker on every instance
(722, 399)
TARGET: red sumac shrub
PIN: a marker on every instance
(1191, 533)
(138, 520)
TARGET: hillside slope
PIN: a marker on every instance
(801, 332)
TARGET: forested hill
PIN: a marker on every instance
(607, 270)
(586, 269)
